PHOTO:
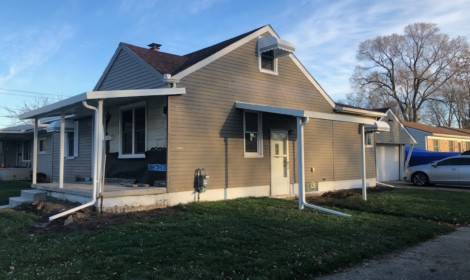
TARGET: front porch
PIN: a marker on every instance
(114, 198)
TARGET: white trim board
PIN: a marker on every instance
(55, 108)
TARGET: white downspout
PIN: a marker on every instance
(96, 175)
(61, 152)
(301, 121)
(363, 154)
(35, 151)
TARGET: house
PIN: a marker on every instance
(439, 139)
(245, 110)
(16, 146)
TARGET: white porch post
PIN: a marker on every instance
(301, 161)
(62, 150)
(35, 151)
(99, 142)
(363, 154)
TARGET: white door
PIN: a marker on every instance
(388, 162)
(279, 163)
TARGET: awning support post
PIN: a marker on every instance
(62, 150)
(408, 157)
(363, 155)
(35, 151)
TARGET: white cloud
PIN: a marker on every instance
(30, 47)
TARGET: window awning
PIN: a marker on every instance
(278, 46)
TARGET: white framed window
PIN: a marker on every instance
(267, 62)
(26, 151)
(42, 146)
(71, 142)
(368, 140)
(253, 133)
(133, 130)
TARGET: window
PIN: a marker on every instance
(42, 146)
(435, 145)
(451, 161)
(368, 140)
(133, 131)
(71, 142)
(26, 154)
(252, 126)
(451, 146)
(267, 62)
(468, 146)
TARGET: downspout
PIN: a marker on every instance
(363, 155)
(96, 180)
(301, 121)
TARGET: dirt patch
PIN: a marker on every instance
(87, 219)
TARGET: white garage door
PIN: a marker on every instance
(388, 162)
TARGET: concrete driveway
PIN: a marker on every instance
(446, 257)
(405, 185)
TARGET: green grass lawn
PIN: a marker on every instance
(11, 188)
(255, 238)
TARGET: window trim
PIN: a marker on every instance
(261, 69)
(75, 142)
(366, 136)
(23, 153)
(132, 107)
(41, 152)
(258, 154)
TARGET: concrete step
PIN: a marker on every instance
(33, 195)
(16, 201)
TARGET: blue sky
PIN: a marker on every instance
(62, 47)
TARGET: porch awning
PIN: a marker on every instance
(309, 114)
(73, 106)
(278, 46)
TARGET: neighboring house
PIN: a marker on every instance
(245, 110)
(439, 139)
(16, 152)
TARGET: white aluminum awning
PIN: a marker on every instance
(278, 46)
(73, 105)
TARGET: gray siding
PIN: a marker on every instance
(45, 159)
(206, 131)
(81, 165)
(128, 72)
(397, 133)
(419, 136)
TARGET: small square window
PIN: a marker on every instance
(71, 142)
(451, 146)
(253, 134)
(133, 131)
(42, 146)
(267, 62)
(435, 145)
(368, 141)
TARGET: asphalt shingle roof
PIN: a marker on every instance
(437, 130)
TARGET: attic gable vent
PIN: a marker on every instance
(278, 46)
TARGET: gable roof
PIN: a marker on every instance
(436, 130)
(167, 63)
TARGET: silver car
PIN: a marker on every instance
(452, 170)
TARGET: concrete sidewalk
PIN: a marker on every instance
(446, 257)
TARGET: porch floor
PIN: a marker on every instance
(110, 190)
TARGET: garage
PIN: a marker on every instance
(388, 162)
(390, 148)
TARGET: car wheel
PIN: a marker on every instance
(420, 179)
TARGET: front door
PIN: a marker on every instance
(279, 163)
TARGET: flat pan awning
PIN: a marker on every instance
(278, 46)
(308, 114)
(73, 105)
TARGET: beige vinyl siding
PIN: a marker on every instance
(319, 151)
(201, 120)
(81, 165)
(347, 153)
(127, 72)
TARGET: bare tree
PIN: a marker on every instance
(410, 69)
(33, 103)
